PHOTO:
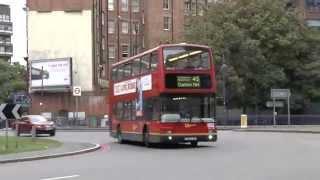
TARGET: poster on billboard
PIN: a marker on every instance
(51, 73)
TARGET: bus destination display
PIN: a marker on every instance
(187, 81)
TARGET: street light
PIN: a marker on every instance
(223, 71)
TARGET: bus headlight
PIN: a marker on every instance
(210, 137)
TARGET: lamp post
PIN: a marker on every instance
(223, 71)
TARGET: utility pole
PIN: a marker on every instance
(118, 30)
(130, 29)
(172, 13)
(223, 70)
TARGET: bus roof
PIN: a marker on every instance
(155, 48)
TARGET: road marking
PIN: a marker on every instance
(62, 177)
(105, 147)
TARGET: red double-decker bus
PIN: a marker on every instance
(164, 95)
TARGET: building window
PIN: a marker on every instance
(124, 5)
(2, 49)
(103, 42)
(166, 4)
(7, 18)
(313, 3)
(102, 18)
(110, 5)
(102, 71)
(313, 23)
(111, 52)
(166, 23)
(125, 27)
(2, 17)
(8, 40)
(135, 5)
(125, 51)
(111, 27)
(187, 6)
(135, 27)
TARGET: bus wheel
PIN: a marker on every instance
(119, 136)
(146, 138)
(194, 143)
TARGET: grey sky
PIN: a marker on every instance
(18, 18)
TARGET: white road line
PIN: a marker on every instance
(62, 177)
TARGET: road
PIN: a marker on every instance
(236, 156)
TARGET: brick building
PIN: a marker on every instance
(310, 11)
(127, 27)
(60, 30)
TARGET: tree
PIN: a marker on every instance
(12, 79)
(266, 45)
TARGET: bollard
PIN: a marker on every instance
(244, 121)
(17, 135)
(33, 133)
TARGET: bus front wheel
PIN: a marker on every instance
(146, 138)
(119, 136)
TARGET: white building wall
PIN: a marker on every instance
(59, 34)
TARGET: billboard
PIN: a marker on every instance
(51, 73)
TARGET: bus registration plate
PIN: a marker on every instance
(190, 138)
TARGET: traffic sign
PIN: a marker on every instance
(276, 104)
(76, 90)
(10, 111)
(280, 93)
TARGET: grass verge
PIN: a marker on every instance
(25, 144)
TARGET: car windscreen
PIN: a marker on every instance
(37, 119)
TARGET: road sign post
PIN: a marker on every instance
(76, 94)
(9, 111)
(281, 94)
(274, 111)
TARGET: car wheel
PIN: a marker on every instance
(53, 133)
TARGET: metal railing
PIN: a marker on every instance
(304, 119)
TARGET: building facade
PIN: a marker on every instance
(310, 10)
(5, 33)
(127, 27)
(58, 30)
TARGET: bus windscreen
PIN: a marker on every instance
(184, 57)
(187, 108)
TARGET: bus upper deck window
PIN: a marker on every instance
(145, 64)
(127, 70)
(136, 67)
(154, 61)
(114, 74)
